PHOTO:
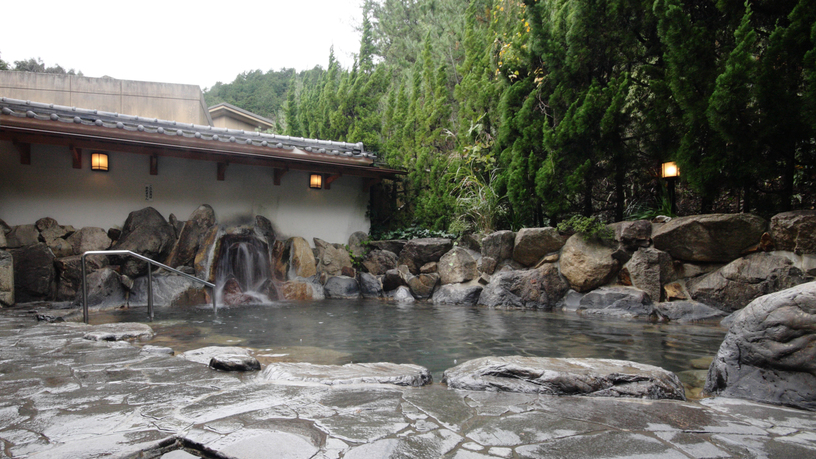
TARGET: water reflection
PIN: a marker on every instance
(436, 337)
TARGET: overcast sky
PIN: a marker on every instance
(181, 41)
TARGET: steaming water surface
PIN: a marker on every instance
(434, 336)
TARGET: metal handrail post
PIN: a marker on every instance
(85, 314)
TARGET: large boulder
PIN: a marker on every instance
(734, 285)
(330, 259)
(463, 294)
(649, 269)
(205, 254)
(417, 252)
(633, 234)
(50, 231)
(169, 290)
(34, 273)
(22, 236)
(69, 273)
(302, 289)
(6, 278)
(588, 264)
(147, 233)
(192, 233)
(794, 231)
(618, 302)
(3, 242)
(532, 244)
(301, 260)
(357, 244)
(391, 245)
(105, 290)
(377, 262)
(402, 294)
(88, 239)
(498, 247)
(342, 287)
(710, 238)
(553, 376)
(768, 354)
(371, 286)
(457, 266)
(423, 285)
(540, 288)
(392, 280)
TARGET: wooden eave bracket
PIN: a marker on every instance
(154, 165)
(76, 156)
(222, 171)
(278, 174)
(330, 179)
(25, 152)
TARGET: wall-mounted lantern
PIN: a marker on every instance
(670, 172)
(99, 162)
(316, 181)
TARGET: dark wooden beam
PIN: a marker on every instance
(154, 165)
(369, 182)
(222, 171)
(76, 156)
(329, 179)
(278, 175)
(25, 152)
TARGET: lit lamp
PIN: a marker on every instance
(670, 172)
(99, 162)
(316, 181)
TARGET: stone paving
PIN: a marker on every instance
(62, 396)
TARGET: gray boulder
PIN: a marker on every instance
(351, 373)
(588, 264)
(734, 285)
(226, 362)
(3, 242)
(633, 234)
(392, 280)
(619, 302)
(330, 259)
(552, 376)
(532, 244)
(87, 239)
(794, 231)
(147, 233)
(6, 278)
(540, 288)
(342, 287)
(192, 232)
(458, 294)
(498, 246)
(169, 290)
(689, 312)
(710, 238)
(377, 261)
(34, 273)
(457, 266)
(370, 285)
(392, 245)
(60, 247)
(402, 294)
(105, 290)
(356, 243)
(22, 236)
(649, 269)
(52, 232)
(417, 252)
(69, 273)
(768, 354)
(45, 223)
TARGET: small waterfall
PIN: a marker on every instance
(243, 273)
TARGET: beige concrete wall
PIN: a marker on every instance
(174, 102)
(50, 187)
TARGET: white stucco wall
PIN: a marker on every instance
(50, 187)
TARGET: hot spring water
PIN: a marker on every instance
(243, 262)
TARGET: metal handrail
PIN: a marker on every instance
(149, 279)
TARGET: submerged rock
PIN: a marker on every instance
(226, 362)
(342, 287)
(205, 354)
(768, 354)
(689, 311)
(352, 373)
(458, 294)
(552, 376)
(620, 302)
(119, 331)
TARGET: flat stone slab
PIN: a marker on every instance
(119, 331)
(352, 373)
(205, 354)
(553, 376)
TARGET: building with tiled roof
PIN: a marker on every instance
(162, 150)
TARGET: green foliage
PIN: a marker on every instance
(411, 232)
(588, 227)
